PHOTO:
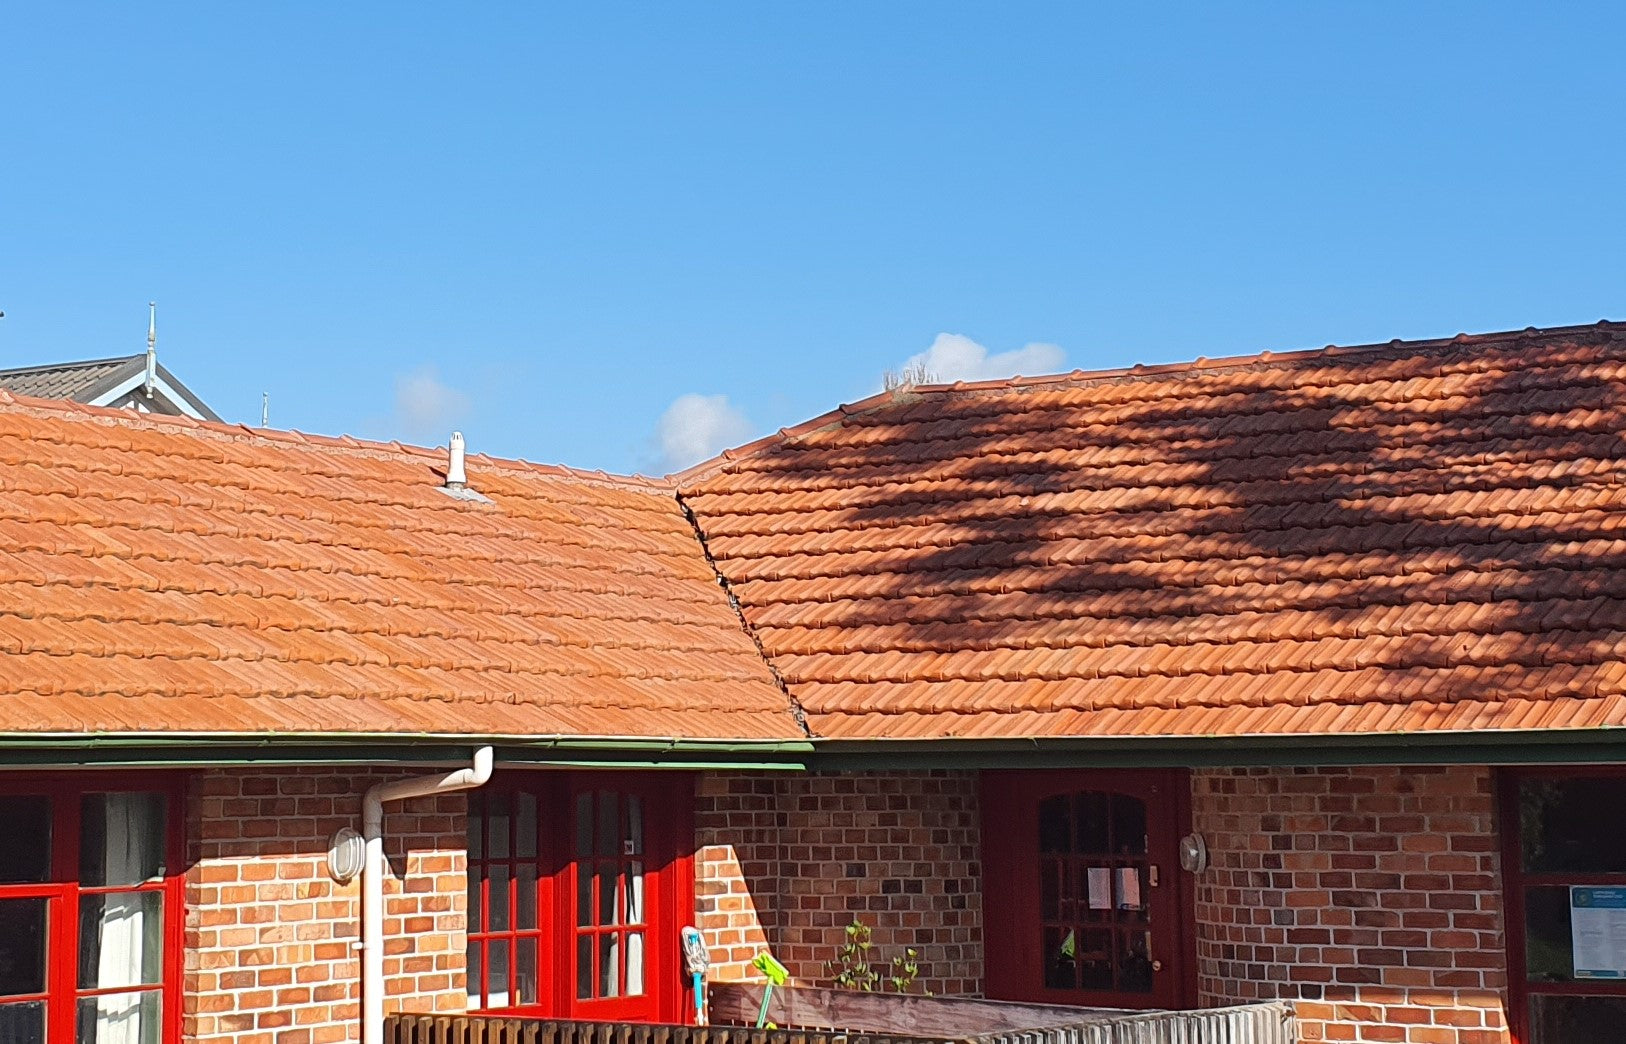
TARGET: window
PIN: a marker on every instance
(90, 915)
(578, 886)
(1565, 872)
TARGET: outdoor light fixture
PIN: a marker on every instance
(1193, 853)
(345, 854)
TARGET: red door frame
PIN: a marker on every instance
(63, 890)
(1513, 885)
(668, 898)
(1010, 801)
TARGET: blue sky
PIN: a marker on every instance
(548, 224)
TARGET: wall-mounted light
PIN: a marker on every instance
(1193, 853)
(345, 854)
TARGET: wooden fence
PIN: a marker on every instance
(482, 1029)
(1270, 1023)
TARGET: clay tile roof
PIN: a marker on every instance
(1397, 538)
(164, 575)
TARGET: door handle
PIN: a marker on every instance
(1151, 875)
(1157, 965)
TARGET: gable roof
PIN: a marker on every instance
(164, 576)
(1402, 538)
(107, 382)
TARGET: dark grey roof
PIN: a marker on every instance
(91, 381)
(79, 381)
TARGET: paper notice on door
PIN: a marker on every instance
(1128, 888)
(1099, 880)
(1598, 932)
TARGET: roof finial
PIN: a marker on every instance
(265, 409)
(152, 346)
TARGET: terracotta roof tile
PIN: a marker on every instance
(159, 576)
(1406, 537)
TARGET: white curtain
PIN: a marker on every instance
(133, 842)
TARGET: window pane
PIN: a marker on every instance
(477, 828)
(525, 913)
(1130, 888)
(1576, 1020)
(23, 1022)
(635, 964)
(1128, 825)
(1548, 953)
(1092, 817)
(1095, 959)
(1135, 962)
(609, 966)
(497, 899)
(606, 895)
(476, 908)
(635, 893)
(609, 824)
(497, 826)
(1562, 831)
(22, 946)
(633, 843)
(121, 839)
(525, 972)
(120, 939)
(584, 825)
(1060, 963)
(584, 967)
(525, 826)
(497, 973)
(1053, 826)
(119, 1018)
(25, 823)
(475, 980)
(1050, 871)
(584, 895)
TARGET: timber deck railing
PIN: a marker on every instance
(873, 1019)
(487, 1029)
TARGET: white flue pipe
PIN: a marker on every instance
(372, 876)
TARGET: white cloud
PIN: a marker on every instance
(425, 409)
(955, 358)
(697, 427)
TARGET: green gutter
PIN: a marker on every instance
(1486, 747)
(160, 750)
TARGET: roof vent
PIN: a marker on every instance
(457, 476)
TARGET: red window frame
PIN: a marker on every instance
(1010, 841)
(668, 859)
(63, 893)
(1514, 882)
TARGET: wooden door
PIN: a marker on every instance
(1083, 897)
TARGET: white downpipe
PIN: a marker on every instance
(372, 877)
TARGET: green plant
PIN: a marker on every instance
(856, 967)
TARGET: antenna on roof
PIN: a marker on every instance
(152, 346)
(265, 409)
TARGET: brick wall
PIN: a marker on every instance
(269, 956)
(1372, 895)
(785, 863)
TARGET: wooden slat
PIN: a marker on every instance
(883, 1013)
